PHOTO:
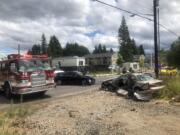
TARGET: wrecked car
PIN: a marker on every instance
(134, 85)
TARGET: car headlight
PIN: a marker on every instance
(146, 86)
(90, 81)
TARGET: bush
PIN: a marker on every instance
(172, 88)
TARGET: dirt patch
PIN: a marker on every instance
(103, 113)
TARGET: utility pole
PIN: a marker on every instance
(155, 5)
(19, 49)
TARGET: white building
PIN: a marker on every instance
(69, 63)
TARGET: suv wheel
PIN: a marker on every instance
(83, 82)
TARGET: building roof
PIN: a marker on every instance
(109, 54)
(69, 57)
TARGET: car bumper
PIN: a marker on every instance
(30, 90)
(151, 90)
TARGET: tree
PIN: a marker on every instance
(173, 56)
(43, 44)
(119, 60)
(54, 48)
(104, 49)
(74, 49)
(100, 48)
(141, 50)
(111, 50)
(95, 50)
(125, 49)
(134, 47)
(36, 49)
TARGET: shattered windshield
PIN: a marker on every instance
(144, 78)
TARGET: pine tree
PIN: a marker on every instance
(141, 50)
(125, 48)
(43, 44)
(54, 48)
(95, 50)
(100, 48)
(111, 50)
(104, 49)
(134, 47)
(36, 49)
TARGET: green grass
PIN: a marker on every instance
(172, 88)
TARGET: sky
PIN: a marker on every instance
(83, 21)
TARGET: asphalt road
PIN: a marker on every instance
(57, 92)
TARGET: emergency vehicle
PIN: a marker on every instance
(26, 74)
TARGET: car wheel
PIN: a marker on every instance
(110, 88)
(7, 91)
(42, 93)
(83, 82)
(59, 82)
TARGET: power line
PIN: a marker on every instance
(124, 10)
(141, 15)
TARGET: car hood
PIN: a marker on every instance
(88, 77)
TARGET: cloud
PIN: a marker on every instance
(83, 21)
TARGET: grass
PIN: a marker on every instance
(14, 114)
(171, 90)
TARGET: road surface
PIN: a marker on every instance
(57, 92)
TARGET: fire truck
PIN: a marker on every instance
(26, 74)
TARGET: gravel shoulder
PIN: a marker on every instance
(102, 113)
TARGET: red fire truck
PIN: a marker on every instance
(26, 74)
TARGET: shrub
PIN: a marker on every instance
(172, 88)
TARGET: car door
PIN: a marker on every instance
(75, 79)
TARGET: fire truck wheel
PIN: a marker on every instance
(42, 93)
(7, 91)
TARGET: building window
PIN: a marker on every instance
(81, 63)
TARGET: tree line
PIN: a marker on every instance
(54, 48)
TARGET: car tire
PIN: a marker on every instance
(110, 88)
(7, 91)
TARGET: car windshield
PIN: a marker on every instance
(144, 78)
(32, 65)
(42, 65)
(79, 73)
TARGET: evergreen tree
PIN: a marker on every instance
(141, 50)
(74, 49)
(111, 50)
(100, 48)
(54, 48)
(104, 49)
(125, 49)
(173, 55)
(134, 47)
(43, 44)
(36, 49)
(95, 50)
(119, 60)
